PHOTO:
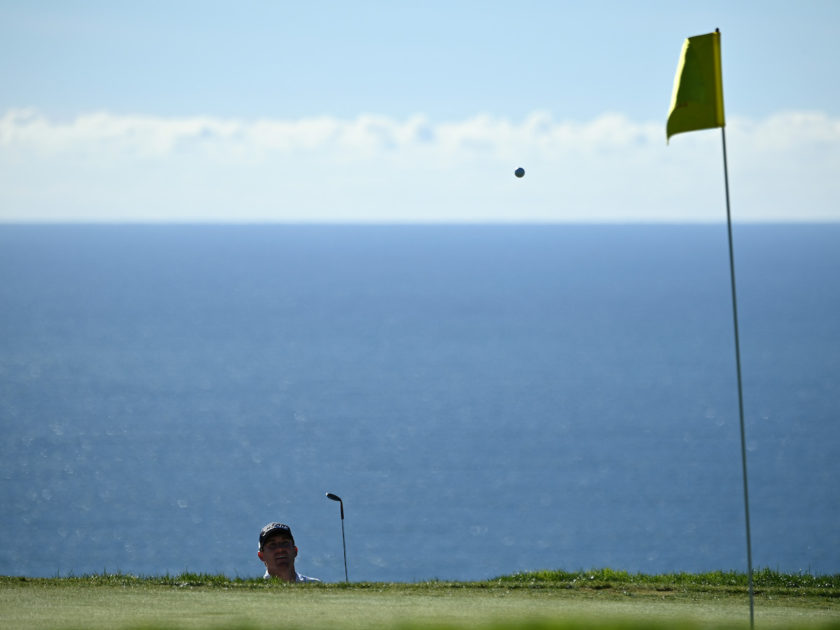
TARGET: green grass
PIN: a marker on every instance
(542, 600)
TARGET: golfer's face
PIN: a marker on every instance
(279, 553)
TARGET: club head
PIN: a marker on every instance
(335, 497)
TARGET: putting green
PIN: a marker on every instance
(317, 607)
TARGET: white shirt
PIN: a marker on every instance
(298, 577)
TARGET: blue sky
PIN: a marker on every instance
(410, 111)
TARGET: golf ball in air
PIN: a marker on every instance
(520, 172)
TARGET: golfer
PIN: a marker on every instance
(278, 553)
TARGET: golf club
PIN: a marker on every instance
(335, 497)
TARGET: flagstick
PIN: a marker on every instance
(738, 369)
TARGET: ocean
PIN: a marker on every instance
(486, 399)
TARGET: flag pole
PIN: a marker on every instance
(697, 103)
(740, 387)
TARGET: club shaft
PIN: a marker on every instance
(335, 497)
(344, 545)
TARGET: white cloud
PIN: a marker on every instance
(107, 167)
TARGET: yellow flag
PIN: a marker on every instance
(697, 101)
